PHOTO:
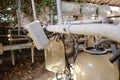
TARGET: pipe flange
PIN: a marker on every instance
(92, 50)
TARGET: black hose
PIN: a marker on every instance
(115, 56)
(116, 16)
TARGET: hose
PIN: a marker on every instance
(115, 56)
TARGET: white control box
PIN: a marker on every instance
(37, 34)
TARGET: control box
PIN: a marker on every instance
(37, 34)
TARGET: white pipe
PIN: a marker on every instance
(83, 21)
(104, 30)
(34, 11)
(59, 11)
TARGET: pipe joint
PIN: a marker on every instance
(66, 28)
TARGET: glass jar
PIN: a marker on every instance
(55, 56)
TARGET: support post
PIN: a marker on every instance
(32, 54)
(19, 16)
(13, 57)
(34, 10)
(59, 11)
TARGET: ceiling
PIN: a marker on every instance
(106, 2)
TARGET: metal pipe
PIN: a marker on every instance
(23, 36)
(103, 41)
(34, 11)
(32, 54)
(104, 30)
(82, 39)
(59, 11)
(13, 57)
(17, 46)
(19, 16)
(51, 16)
(16, 29)
(18, 39)
(83, 21)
